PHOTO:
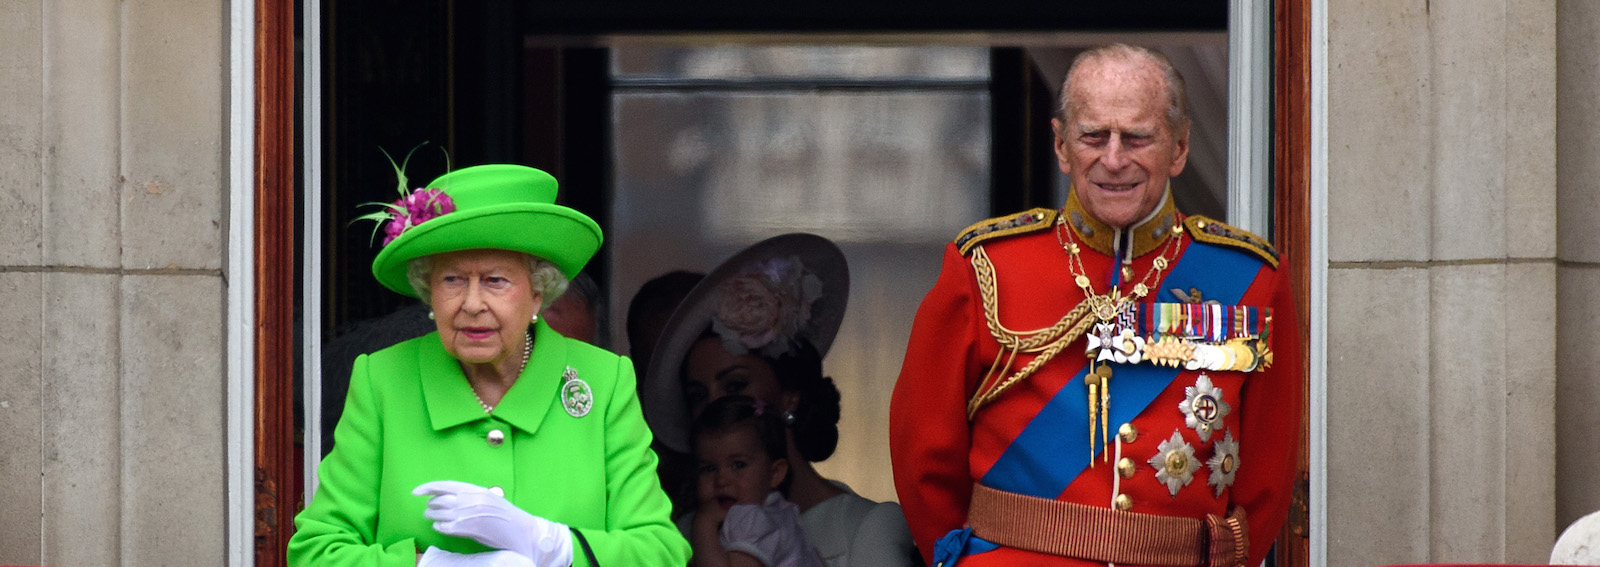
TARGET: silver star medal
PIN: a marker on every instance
(1203, 408)
(575, 394)
(1175, 463)
(1224, 462)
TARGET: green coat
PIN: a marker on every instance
(410, 418)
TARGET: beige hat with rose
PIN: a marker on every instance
(764, 300)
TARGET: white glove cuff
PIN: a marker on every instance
(553, 547)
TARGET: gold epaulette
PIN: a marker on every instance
(1211, 231)
(1020, 223)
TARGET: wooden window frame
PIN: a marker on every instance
(1291, 134)
(274, 248)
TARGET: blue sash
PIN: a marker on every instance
(1054, 447)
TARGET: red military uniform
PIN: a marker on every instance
(1210, 429)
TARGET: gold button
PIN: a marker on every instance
(496, 437)
(501, 492)
(1123, 502)
(1127, 433)
(1126, 468)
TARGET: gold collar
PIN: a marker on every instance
(1148, 234)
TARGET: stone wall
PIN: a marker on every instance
(113, 152)
(1442, 281)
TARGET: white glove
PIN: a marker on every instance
(467, 510)
(436, 557)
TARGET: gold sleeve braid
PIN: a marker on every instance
(1047, 341)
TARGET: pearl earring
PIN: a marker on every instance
(430, 314)
(536, 317)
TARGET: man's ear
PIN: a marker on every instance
(1061, 147)
(1181, 157)
(779, 471)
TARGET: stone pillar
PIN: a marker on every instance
(1578, 321)
(113, 140)
(1442, 280)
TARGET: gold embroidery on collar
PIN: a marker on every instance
(1147, 235)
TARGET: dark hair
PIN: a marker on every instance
(731, 412)
(816, 417)
(656, 299)
(799, 371)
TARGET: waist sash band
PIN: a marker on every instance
(1105, 535)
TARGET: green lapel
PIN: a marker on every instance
(529, 400)
(450, 401)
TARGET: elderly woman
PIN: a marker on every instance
(759, 325)
(495, 440)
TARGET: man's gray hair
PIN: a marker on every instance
(543, 275)
(1177, 92)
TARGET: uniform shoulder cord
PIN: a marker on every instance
(1047, 341)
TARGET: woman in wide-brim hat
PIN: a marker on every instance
(759, 325)
(494, 440)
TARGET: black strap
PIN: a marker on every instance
(587, 552)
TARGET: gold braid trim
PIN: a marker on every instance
(1048, 341)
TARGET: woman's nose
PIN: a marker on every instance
(474, 301)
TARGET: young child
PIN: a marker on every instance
(743, 519)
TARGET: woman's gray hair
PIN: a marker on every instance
(543, 275)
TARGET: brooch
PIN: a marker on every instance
(575, 394)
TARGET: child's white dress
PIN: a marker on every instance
(770, 532)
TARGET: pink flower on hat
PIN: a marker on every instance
(747, 311)
(416, 207)
(766, 306)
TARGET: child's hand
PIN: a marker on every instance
(709, 519)
(706, 535)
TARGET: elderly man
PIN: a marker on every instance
(1097, 384)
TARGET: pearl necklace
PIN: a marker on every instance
(527, 349)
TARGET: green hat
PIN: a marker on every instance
(501, 206)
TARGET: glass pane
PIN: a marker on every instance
(890, 176)
(736, 62)
(861, 167)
